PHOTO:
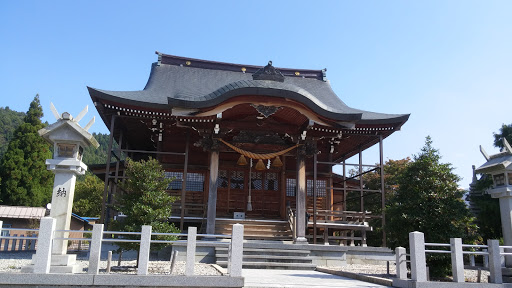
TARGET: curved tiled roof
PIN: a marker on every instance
(195, 84)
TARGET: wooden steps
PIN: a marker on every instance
(257, 229)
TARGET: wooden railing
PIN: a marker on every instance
(292, 221)
(342, 222)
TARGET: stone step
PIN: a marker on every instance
(268, 258)
(277, 231)
(259, 251)
(272, 265)
(506, 271)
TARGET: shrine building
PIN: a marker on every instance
(207, 122)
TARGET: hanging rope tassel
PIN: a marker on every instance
(260, 165)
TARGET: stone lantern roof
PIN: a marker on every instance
(66, 129)
(497, 162)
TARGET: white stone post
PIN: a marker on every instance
(495, 261)
(418, 262)
(236, 249)
(95, 249)
(401, 262)
(1, 225)
(145, 243)
(486, 258)
(191, 251)
(506, 225)
(43, 255)
(62, 202)
(457, 260)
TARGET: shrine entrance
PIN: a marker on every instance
(233, 193)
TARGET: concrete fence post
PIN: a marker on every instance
(1, 225)
(401, 263)
(457, 260)
(418, 262)
(495, 261)
(145, 243)
(236, 251)
(95, 249)
(486, 258)
(42, 260)
(191, 251)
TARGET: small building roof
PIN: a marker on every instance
(496, 162)
(193, 84)
(22, 212)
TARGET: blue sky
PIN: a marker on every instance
(447, 63)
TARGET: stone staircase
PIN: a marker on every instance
(264, 255)
(270, 230)
(506, 274)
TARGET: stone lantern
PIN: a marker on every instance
(499, 167)
(69, 140)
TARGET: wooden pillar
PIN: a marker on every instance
(283, 189)
(344, 207)
(184, 183)
(329, 203)
(107, 171)
(301, 199)
(361, 179)
(382, 191)
(315, 171)
(212, 192)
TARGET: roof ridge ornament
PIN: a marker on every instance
(268, 72)
(67, 116)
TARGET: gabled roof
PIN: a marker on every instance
(193, 84)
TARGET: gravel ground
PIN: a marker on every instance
(470, 275)
(12, 262)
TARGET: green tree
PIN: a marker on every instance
(505, 132)
(428, 200)
(9, 121)
(88, 196)
(23, 174)
(488, 218)
(145, 201)
(373, 201)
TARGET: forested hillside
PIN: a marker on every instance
(9, 121)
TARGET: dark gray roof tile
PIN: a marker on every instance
(192, 87)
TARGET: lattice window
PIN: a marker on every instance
(291, 186)
(271, 181)
(257, 181)
(320, 187)
(195, 181)
(222, 180)
(237, 179)
(176, 183)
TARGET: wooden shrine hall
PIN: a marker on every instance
(246, 142)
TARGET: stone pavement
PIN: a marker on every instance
(268, 278)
